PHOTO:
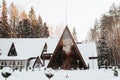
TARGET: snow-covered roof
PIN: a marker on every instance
(26, 47)
(51, 44)
(88, 49)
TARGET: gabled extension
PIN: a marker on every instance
(37, 63)
(66, 55)
(12, 51)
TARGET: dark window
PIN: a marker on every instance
(18, 63)
(12, 51)
(2, 63)
(13, 62)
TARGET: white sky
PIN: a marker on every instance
(81, 14)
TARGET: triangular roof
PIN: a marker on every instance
(25, 48)
(45, 47)
(37, 61)
(67, 46)
(12, 51)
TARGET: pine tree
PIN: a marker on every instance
(24, 29)
(74, 34)
(32, 17)
(19, 30)
(33, 22)
(1, 30)
(23, 15)
(46, 31)
(39, 27)
(4, 18)
(13, 19)
(103, 49)
(39, 21)
(96, 30)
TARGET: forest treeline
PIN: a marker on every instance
(106, 33)
(21, 25)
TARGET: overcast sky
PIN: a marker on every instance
(81, 14)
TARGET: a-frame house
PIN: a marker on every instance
(67, 55)
(12, 51)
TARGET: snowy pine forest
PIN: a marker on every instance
(21, 25)
(106, 33)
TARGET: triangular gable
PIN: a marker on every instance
(37, 63)
(45, 47)
(12, 51)
(44, 50)
(66, 54)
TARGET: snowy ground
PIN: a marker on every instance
(37, 74)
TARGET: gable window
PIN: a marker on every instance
(45, 47)
(12, 51)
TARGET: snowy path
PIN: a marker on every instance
(101, 74)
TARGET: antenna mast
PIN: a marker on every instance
(66, 13)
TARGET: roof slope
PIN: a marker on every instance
(26, 47)
(88, 49)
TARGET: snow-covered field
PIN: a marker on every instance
(92, 74)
